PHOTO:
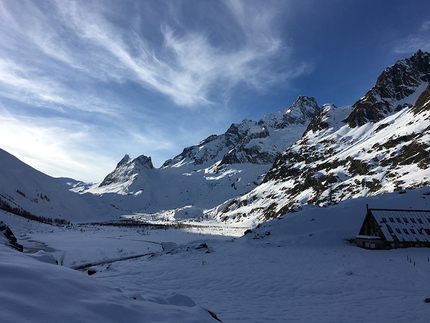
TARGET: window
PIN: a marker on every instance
(405, 231)
(398, 220)
(413, 220)
(406, 220)
(391, 220)
(427, 231)
(413, 231)
(398, 230)
(420, 221)
(428, 219)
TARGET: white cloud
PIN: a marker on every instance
(25, 84)
(50, 149)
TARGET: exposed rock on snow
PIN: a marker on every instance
(249, 141)
(8, 238)
(127, 169)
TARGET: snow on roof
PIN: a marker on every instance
(363, 236)
(405, 225)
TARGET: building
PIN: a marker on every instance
(390, 228)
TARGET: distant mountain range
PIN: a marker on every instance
(305, 154)
(203, 176)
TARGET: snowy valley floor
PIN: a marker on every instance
(299, 268)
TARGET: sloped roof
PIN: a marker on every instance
(405, 225)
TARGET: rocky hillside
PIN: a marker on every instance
(380, 144)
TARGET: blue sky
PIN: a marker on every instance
(84, 82)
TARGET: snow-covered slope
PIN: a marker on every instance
(35, 291)
(30, 191)
(379, 145)
(301, 267)
(202, 176)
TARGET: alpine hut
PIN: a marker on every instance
(391, 228)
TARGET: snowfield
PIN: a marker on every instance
(297, 268)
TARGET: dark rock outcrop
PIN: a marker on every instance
(10, 237)
(394, 84)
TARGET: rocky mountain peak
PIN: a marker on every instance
(393, 90)
(144, 161)
(123, 161)
(302, 111)
(303, 108)
(250, 141)
(126, 168)
(251, 135)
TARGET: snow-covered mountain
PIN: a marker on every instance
(204, 175)
(27, 191)
(378, 145)
(306, 154)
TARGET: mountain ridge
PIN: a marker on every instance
(216, 169)
(339, 157)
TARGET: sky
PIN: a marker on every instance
(82, 83)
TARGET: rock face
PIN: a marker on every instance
(380, 144)
(248, 141)
(250, 150)
(395, 84)
(8, 237)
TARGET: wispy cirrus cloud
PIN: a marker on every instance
(186, 69)
(26, 85)
(415, 41)
(187, 66)
(51, 145)
(425, 26)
